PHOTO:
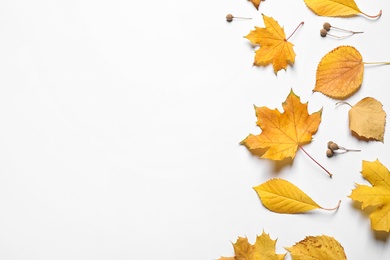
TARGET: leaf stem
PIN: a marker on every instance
(343, 103)
(373, 16)
(335, 208)
(330, 175)
(299, 25)
(378, 63)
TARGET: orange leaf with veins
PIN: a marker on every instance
(274, 48)
(283, 133)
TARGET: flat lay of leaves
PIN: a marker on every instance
(339, 75)
(274, 48)
(377, 196)
(281, 196)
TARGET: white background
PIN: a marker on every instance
(120, 124)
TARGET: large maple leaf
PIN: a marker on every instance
(377, 196)
(263, 248)
(283, 133)
(274, 47)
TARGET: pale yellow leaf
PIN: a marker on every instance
(367, 119)
(317, 248)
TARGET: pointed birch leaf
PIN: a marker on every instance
(274, 48)
(317, 247)
(263, 248)
(281, 196)
(340, 73)
(367, 119)
(336, 8)
(377, 196)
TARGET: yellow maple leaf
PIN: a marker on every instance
(377, 196)
(317, 247)
(263, 248)
(283, 133)
(281, 196)
(367, 119)
(339, 8)
(274, 47)
(340, 73)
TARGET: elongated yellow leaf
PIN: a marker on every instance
(336, 8)
(340, 73)
(281, 196)
(318, 247)
(367, 119)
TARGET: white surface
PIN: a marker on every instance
(120, 123)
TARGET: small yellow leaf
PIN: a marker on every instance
(377, 196)
(336, 8)
(263, 248)
(281, 196)
(340, 73)
(274, 47)
(367, 119)
(318, 247)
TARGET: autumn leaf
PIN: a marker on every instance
(274, 47)
(281, 196)
(377, 196)
(283, 133)
(256, 3)
(340, 72)
(367, 119)
(336, 8)
(263, 248)
(317, 247)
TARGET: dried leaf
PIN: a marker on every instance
(256, 3)
(338, 8)
(340, 73)
(318, 247)
(281, 196)
(283, 133)
(377, 196)
(367, 119)
(264, 248)
(274, 47)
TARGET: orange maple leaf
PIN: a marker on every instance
(274, 47)
(263, 248)
(256, 3)
(283, 133)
